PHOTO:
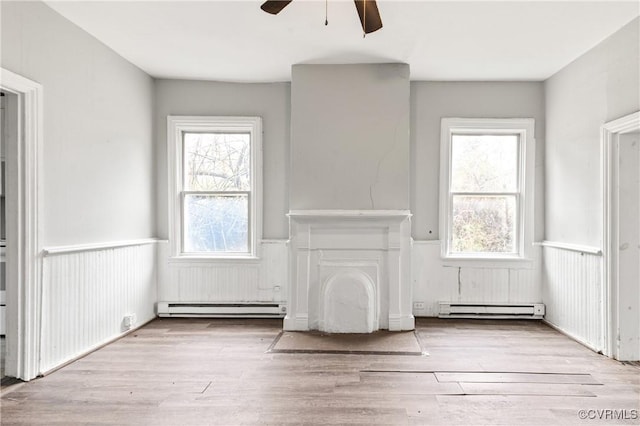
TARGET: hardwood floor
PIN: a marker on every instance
(3, 355)
(207, 371)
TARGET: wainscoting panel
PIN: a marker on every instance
(572, 293)
(434, 281)
(263, 280)
(86, 293)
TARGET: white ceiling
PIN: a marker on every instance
(450, 40)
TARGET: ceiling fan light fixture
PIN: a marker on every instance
(367, 12)
(369, 15)
(274, 6)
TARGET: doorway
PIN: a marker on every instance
(629, 247)
(8, 135)
(22, 190)
(621, 277)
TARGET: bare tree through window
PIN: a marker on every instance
(217, 185)
(484, 193)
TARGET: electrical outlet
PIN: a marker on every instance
(129, 321)
(418, 306)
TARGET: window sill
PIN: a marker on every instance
(489, 262)
(212, 260)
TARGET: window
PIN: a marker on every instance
(486, 188)
(214, 176)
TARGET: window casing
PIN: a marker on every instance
(487, 171)
(215, 188)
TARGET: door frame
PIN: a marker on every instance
(609, 133)
(24, 289)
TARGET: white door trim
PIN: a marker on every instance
(24, 290)
(609, 134)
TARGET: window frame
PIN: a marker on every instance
(524, 128)
(177, 126)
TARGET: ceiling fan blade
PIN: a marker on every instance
(274, 6)
(369, 15)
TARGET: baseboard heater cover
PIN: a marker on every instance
(491, 310)
(221, 310)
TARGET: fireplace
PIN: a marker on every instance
(349, 271)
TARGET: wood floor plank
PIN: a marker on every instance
(543, 389)
(511, 377)
(181, 371)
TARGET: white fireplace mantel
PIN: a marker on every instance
(327, 215)
(350, 271)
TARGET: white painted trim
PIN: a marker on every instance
(176, 125)
(51, 251)
(525, 127)
(96, 347)
(212, 262)
(275, 241)
(361, 240)
(426, 242)
(206, 262)
(571, 336)
(609, 181)
(299, 322)
(571, 247)
(338, 214)
(489, 263)
(627, 124)
(24, 290)
(398, 322)
(350, 271)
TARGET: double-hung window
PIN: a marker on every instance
(486, 189)
(214, 179)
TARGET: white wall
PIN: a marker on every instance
(263, 280)
(98, 111)
(98, 179)
(572, 294)
(105, 166)
(86, 295)
(433, 280)
(270, 101)
(599, 86)
(350, 137)
(432, 101)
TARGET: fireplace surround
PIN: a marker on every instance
(349, 271)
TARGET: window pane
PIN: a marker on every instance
(484, 224)
(486, 163)
(216, 223)
(217, 161)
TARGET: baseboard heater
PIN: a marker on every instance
(221, 310)
(491, 310)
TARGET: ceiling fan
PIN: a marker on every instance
(367, 11)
